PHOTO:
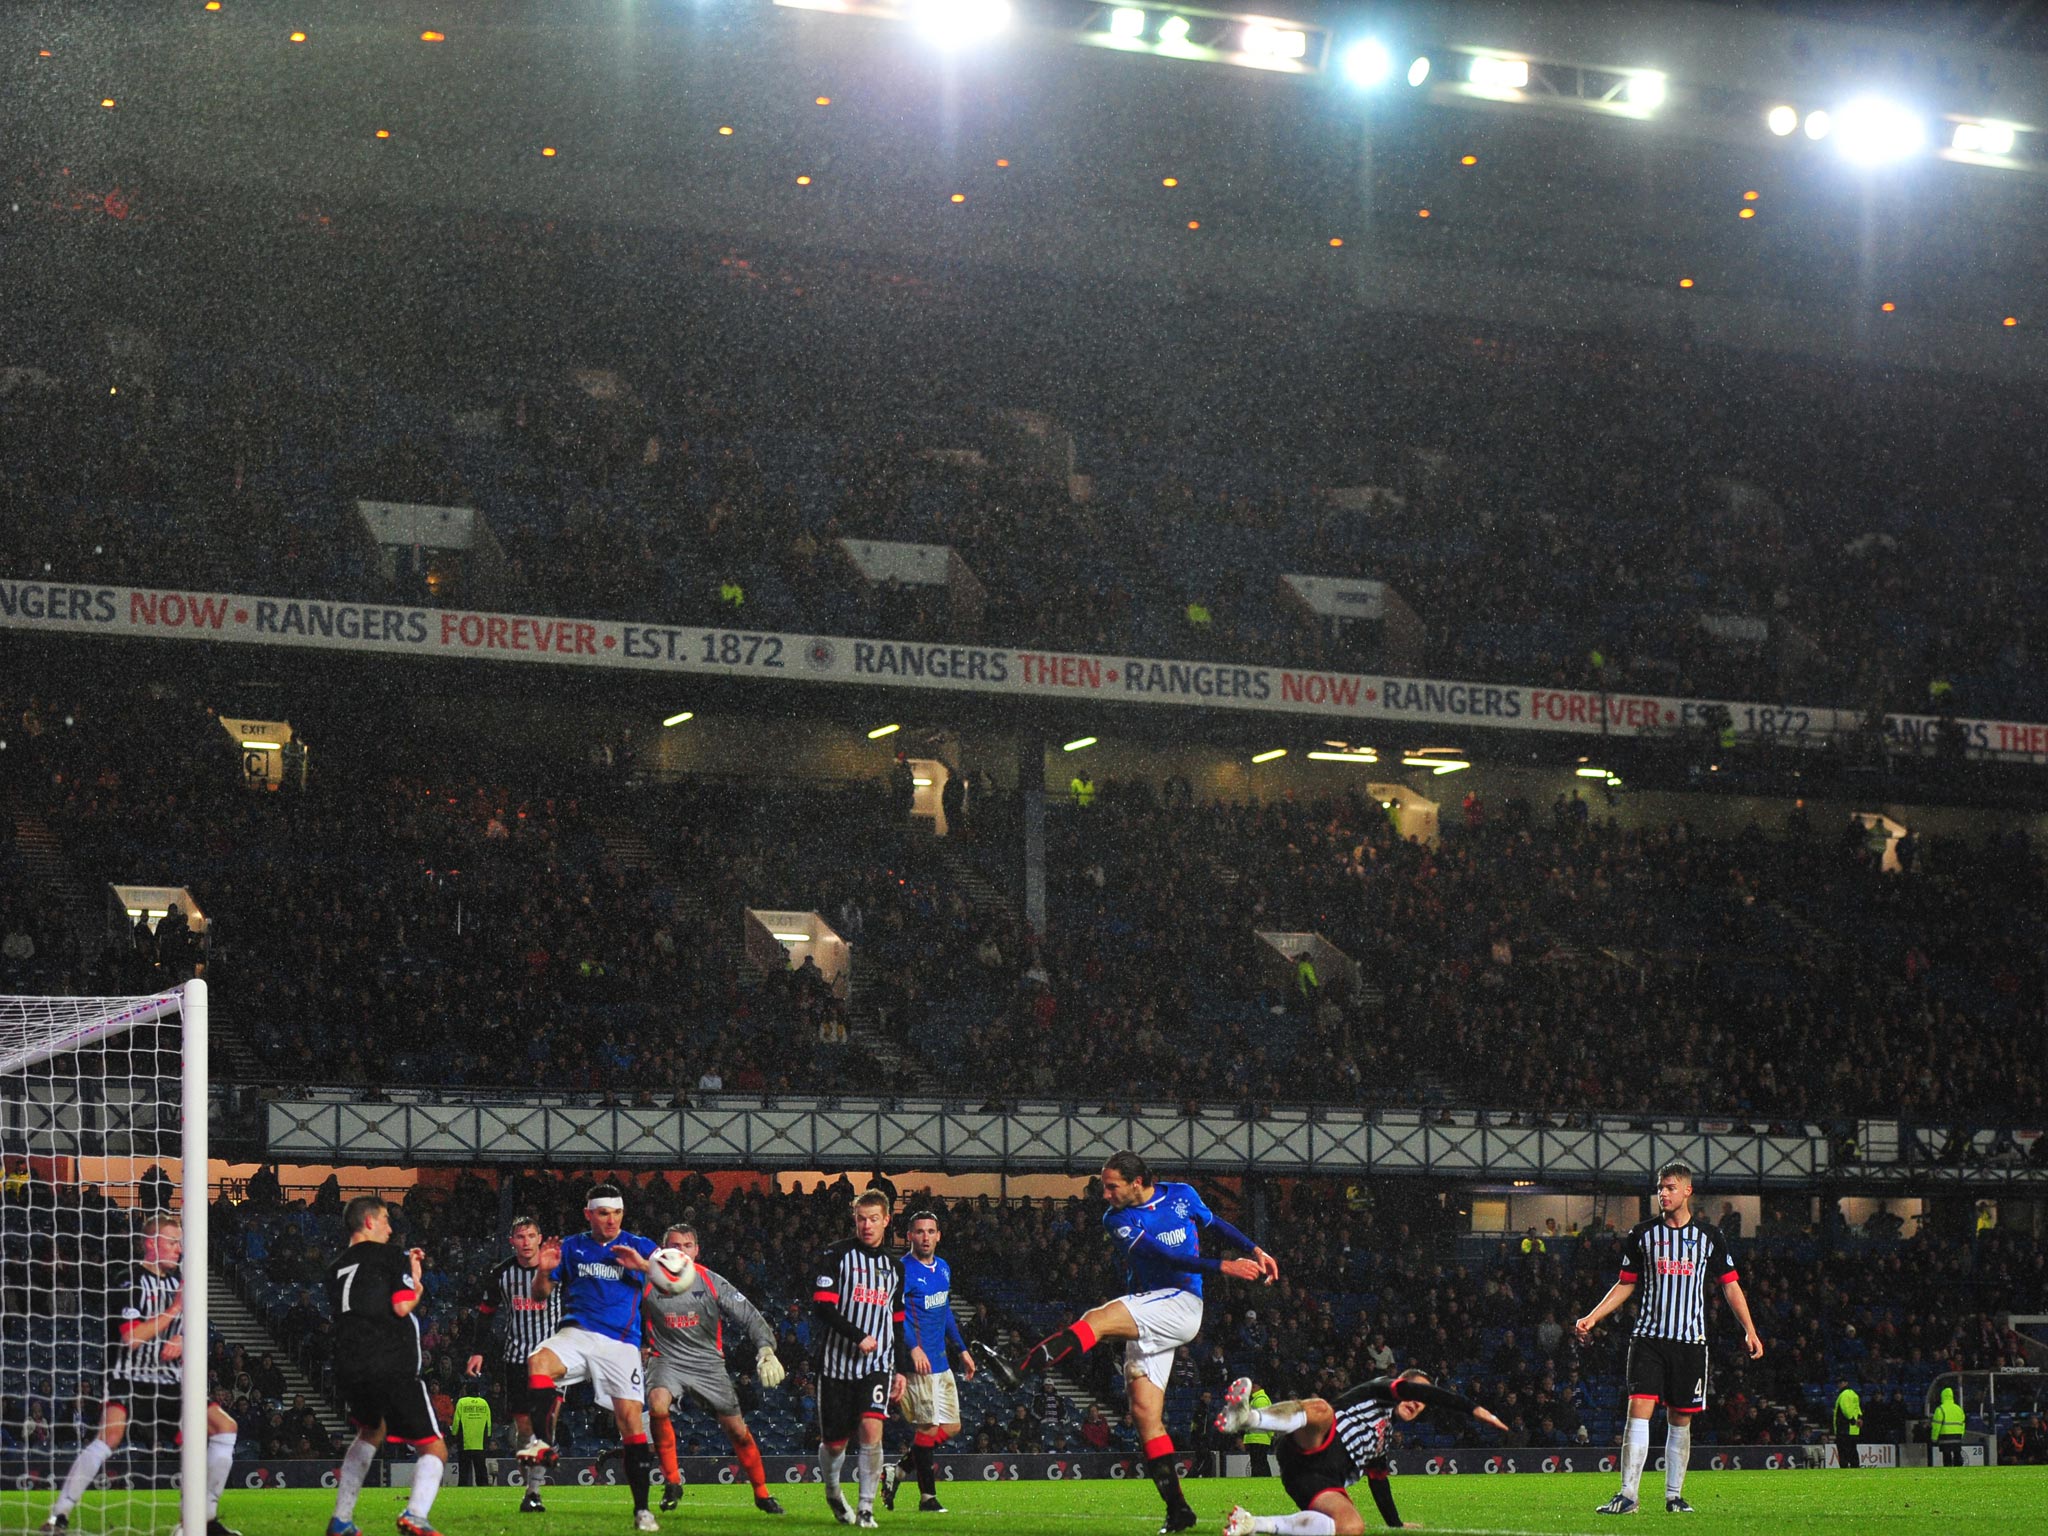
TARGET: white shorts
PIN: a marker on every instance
(611, 1366)
(933, 1399)
(1166, 1320)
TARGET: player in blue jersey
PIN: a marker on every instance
(1159, 1229)
(931, 1400)
(602, 1272)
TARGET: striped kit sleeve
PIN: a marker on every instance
(525, 1323)
(1671, 1268)
(865, 1286)
(150, 1295)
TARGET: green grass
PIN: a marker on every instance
(1946, 1502)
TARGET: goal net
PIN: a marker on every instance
(103, 1266)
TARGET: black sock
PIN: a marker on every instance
(639, 1471)
(1050, 1351)
(927, 1475)
(1166, 1480)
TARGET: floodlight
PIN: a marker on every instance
(1367, 63)
(1818, 125)
(960, 23)
(1782, 120)
(1173, 31)
(1871, 130)
(1648, 90)
(1419, 70)
(1127, 21)
(1985, 138)
(1492, 74)
(1078, 743)
(687, 714)
(1265, 41)
(1269, 755)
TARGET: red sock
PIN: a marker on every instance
(940, 1435)
(665, 1443)
(749, 1453)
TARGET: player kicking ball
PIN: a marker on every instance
(1158, 1227)
(686, 1359)
(602, 1272)
(1329, 1446)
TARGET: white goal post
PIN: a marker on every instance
(93, 1092)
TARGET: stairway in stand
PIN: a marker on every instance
(229, 1316)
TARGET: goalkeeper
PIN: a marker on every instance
(685, 1337)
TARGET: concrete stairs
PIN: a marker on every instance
(51, 875)
(229, 1316)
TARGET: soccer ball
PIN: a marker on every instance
(671, 1271)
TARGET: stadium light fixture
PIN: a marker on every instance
(961, 23)
(688, 714)
(1591, 773)
(1491, 73)
(1782, 120)
(791, 938)
(1078, 743)
(883, 730)
(1819, 125)
(1368, 64)
(1354, 758)
(1267, 757)
(1873, 131)
(262, 746)
(1419, 70)
(1264, 40)
(1984, 138)
(1173, 32)
(1648, 89)
(1127, 22)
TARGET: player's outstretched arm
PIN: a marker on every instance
(1265, 1266)
(1616, 1298)
(1738, 1303)
(550, 1260)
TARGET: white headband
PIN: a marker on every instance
(606, 1203)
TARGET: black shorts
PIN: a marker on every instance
(520, 1396)
(1674, 1374)
(396, 1399)
(1308, 1474)
(843, 1404)
(152, 1409)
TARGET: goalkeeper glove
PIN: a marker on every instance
(769, 1369)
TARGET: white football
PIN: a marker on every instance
(671, 1271)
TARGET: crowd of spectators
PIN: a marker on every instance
(1618, 519)
(1357, 1297)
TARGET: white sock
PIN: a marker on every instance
(1310, 1522)
(220, 1455)
(80, 1477)
(1281, 1419)
(1677, 1452)
(426, 1482)
(355, 1467)
(831, 1460)
(1634, 1453)
(870, 1473)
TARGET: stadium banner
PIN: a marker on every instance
(140, 1470)
(669, 649)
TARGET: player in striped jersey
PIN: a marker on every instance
(857, 1310)
(1329, 1446)
(506, 1297)
(1670, 1258)
(145, 1372)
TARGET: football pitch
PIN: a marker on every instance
(1953, 1502)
